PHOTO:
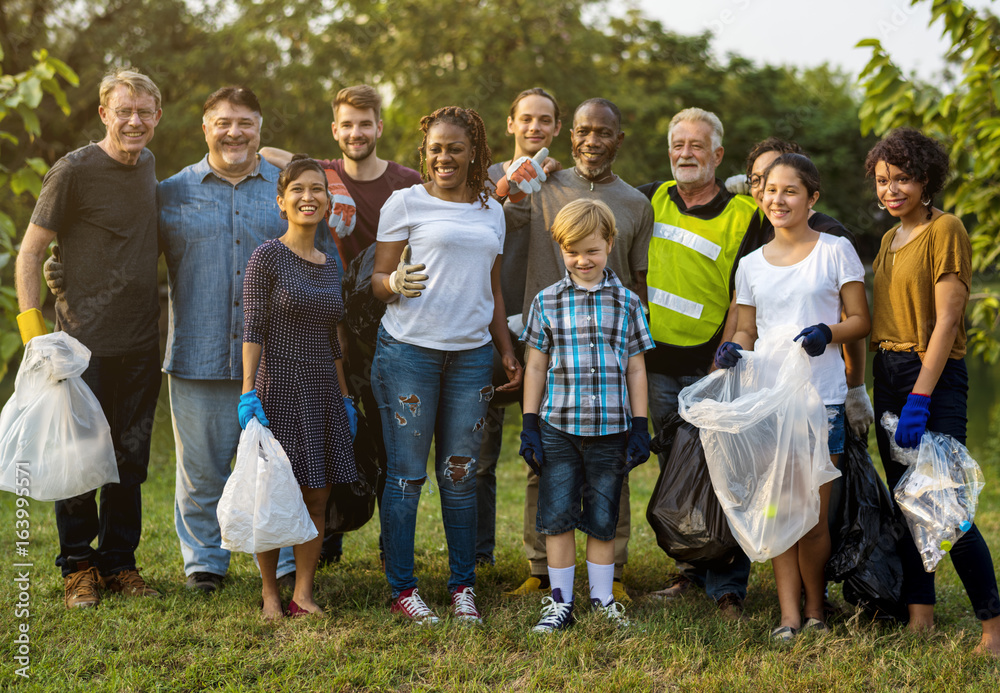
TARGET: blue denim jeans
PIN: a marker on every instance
(836, 419)
(127, 388)
(580, 484)
(733, 578)
(206, 435)
(424, 393)
(486, 486)
(895, 374)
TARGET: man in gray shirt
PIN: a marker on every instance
(596, 137)
(99, 201)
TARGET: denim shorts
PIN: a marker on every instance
(581, 483)
(835, 416)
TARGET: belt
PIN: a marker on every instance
(906, 347)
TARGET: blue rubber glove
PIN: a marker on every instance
(727, 355)
(638, 443)
(352, 415)
(913, 420)
(815, 338)
(531, 443)
(250, 407)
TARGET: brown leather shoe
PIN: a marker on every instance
(83, 588)
(130, 584)
(731, 607)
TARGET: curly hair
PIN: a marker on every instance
(771, 144)
(468, 120)
(915, 154)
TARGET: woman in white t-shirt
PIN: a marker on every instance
(437, 266)
(803, 278)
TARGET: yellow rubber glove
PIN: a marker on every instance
(31, 324)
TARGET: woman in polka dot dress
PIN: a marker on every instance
(293, 379)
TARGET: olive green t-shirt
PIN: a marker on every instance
(904, 284)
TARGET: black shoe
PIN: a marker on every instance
(206, 582)
(327, 560)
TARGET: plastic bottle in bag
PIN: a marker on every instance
(764, 431)
(938, 492)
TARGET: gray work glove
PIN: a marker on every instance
(859, 411)
(407, 280)
(53, 271)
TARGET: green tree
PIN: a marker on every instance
(967, 120)
(23, 95)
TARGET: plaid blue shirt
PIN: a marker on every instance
(589, 336)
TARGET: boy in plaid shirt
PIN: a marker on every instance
(584, 379)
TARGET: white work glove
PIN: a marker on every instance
(342, 214)
(524, 176)
(738, 184)
(858, 408)
(406, 280)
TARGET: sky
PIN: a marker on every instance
(813, 31)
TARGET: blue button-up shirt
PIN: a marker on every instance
(208, 230)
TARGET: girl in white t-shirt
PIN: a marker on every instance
(437, 266)
(809, 279)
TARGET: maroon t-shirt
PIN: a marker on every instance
(369, 196)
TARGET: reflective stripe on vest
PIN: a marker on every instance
(690, 264)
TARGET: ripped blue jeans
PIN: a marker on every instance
(424, 393)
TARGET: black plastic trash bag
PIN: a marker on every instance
(351, 506)
(684, 511)
(864, 550)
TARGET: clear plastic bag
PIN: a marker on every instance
(938, 492)
(764, 431)
(53, 431)
(261, 507)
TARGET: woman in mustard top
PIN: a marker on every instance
(922, 275)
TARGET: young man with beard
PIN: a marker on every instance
(357, 127)
(595, 137)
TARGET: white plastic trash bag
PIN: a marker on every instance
(937, 493)
(764, 430)
(261, 507)
(53, 432)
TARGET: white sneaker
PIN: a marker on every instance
(614, 612)
(464, 605)
(410, 605)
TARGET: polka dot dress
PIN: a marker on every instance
(291, 308)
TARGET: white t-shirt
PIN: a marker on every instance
(459, 242)
(802, 295)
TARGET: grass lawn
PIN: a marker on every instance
(190, 642)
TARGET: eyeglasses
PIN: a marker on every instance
(755, 181)
(145, 114)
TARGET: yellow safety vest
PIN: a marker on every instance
(690, 264)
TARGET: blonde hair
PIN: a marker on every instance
(697, 115)
(581, 218)
(361, 97)
(135, 82)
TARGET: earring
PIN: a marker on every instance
(282, 214)
(880, 205)
(926, 202)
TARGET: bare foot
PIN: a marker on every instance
(272, 609)
(921, 618)
(308, 604)
(990, 642)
